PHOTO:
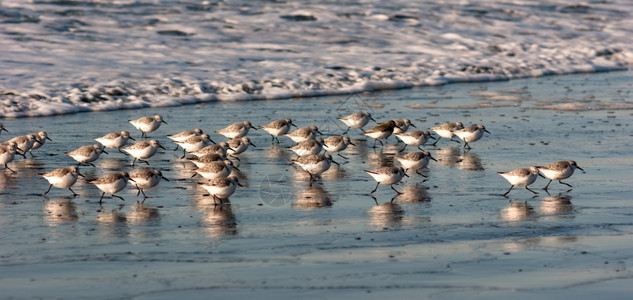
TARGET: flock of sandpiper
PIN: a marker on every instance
(214, 160)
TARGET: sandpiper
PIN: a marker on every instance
(470, 134)
(62, 178)
(143, 150)
(207, 158)
(220, 148)
(86, 154)
(25, 143)
(387, 175)
(303, 134)
(112, 183)
(115, 140)
(402, 125)
(7, 153)
(337, 144)
(215, 169)
(381, 131)
(221, 188)
(414, 161)
(238, 145)
(145, 179)
(559, 171)
(194, 143)
(184, 135)
(521, 177)
(308, 147)
(277, 128)
(314, 164)
(414, 138)
(147, 124)
(41, 138)
(356, 120)
(446, 130)
(236, 130)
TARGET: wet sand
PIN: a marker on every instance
(451, 236)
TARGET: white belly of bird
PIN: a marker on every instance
(278, 131)
(143, 153)
(235, 134)
(225, 172)
(387, 179)
(147, 127)
(356, 123)
(221, 192)
(241, 148)
(113, 187)
(317, 168)
(313, 150)
(470, 136)
(401, 129)
(62, 182)
(378, 135)
(412, 141)
(336, 148)
(447, 134)
(146, 183)
(114, 143)
(520, 180)
(414, 164)
(86, 159)
(299, 139)
(6, 157)
(557, 175)
(194, 146)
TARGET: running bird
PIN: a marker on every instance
(414, 138)
(415, 161)
(471, 134)
(337, 144)
(143, 150)
(112, 183)
(145, 179)
(236, 130)
(521, 177)
(7, 153)
(387, 176)
(277, 128)
(115, 140)
(221, 188)
(41, 138)
(381, 131)
(86, 154)
(147, 124)
(308, 147)
(559, 171)
(314, 164)
(356, 120)
(184, 135)
(62, 178)
(304, 134)
(446, 130)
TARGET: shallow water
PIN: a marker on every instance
(451, 236)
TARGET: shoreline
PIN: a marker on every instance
(57, 109)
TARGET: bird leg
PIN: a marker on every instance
(377, 184)
(527, 188)
(567, 184)
(395, 190)
(508, 190)
(49, 189)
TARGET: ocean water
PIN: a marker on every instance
(61, 57)
(450, 236)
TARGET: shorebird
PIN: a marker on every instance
(446, 131)
(277, 128)
(471, 134)
(356, 120)
(147, 124)
(521, 177)
(62, 178)
(559, 171)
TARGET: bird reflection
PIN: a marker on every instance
(517, 212)
(112, 164)
(556, 205)
(112, 223)
(60, 210)
(220, 221)
(448, 156)
(379, 159)
(335, 172)
(276, 151)
(413, 193)
(360, 150)
(142, 213)
(386, 215)
(111, 217)
(312, 197)
(470, 161)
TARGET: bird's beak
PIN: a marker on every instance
(350, 142)
(431, 157)
(159, 145)
(103, 150)
(131, 138)
(165, 178)
(413, 125)
(252, 144)
(81, 175)
(336, 163)
(372, 119)
(49, 139)
(579, 168)
(405, 174)
(486, 130)
(431, 137)
(240, 184)
(293, 124)
(164, 121)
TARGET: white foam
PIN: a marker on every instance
(133, 54)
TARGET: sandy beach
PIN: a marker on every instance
(451, 236)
